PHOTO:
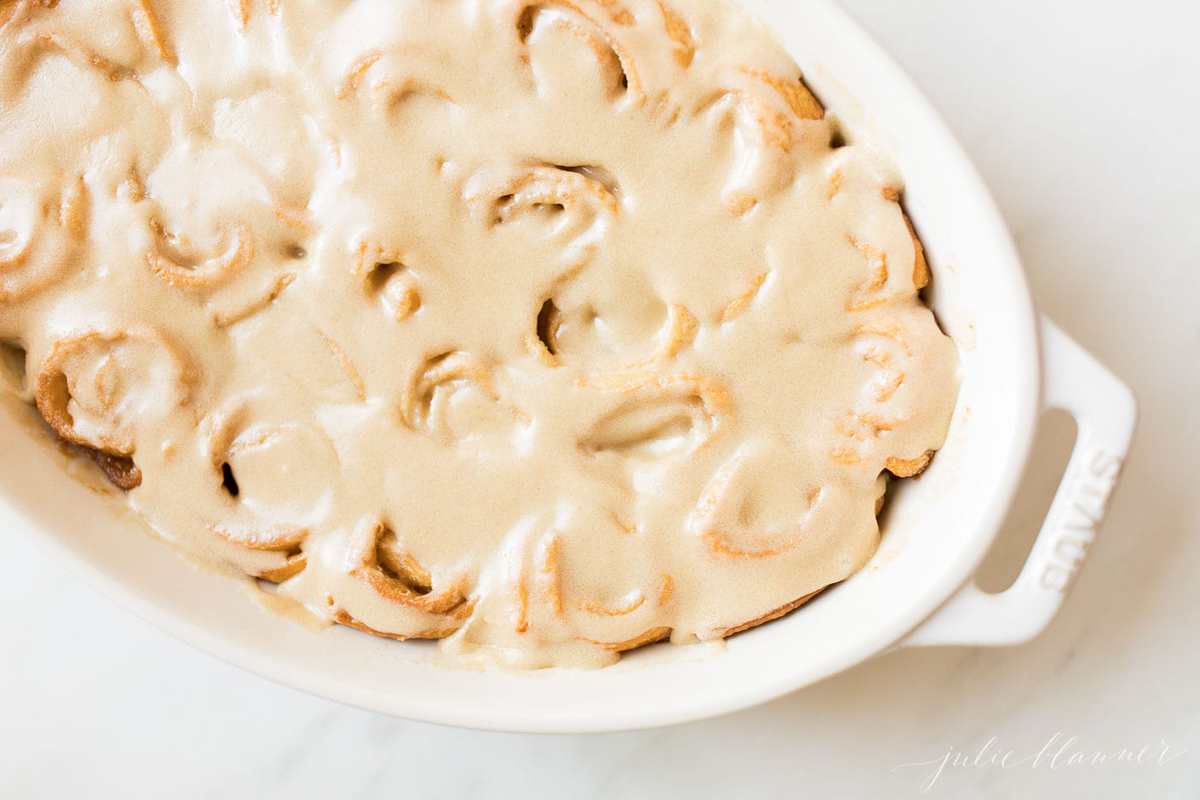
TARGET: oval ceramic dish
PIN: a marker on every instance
(919, 588)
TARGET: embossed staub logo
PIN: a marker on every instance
(1088, 496)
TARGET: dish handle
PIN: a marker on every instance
(1106, 413)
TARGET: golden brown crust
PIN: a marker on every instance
(294, 566)
(921, 273)
(150, 29)
(911, 467)
(42, 258)
(739, 304)
(342, 618)
(497, 196)
(679, 32)
(397, 577)
(652, 636)
(241, 12)
(282, 539)
(614, 60)
(782, 611)
(43, 43)
(182, 269)
(795, 92)
(120, 470)
(52, 392)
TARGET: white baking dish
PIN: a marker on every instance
(917, 591)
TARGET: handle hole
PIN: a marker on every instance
(1052, 448)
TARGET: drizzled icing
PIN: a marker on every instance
(548, 328)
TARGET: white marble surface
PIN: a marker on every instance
(1083, 115)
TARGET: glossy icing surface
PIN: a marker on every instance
(548, 328)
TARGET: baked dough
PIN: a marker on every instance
(548, 328)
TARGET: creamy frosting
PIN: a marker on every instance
(551, 328)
